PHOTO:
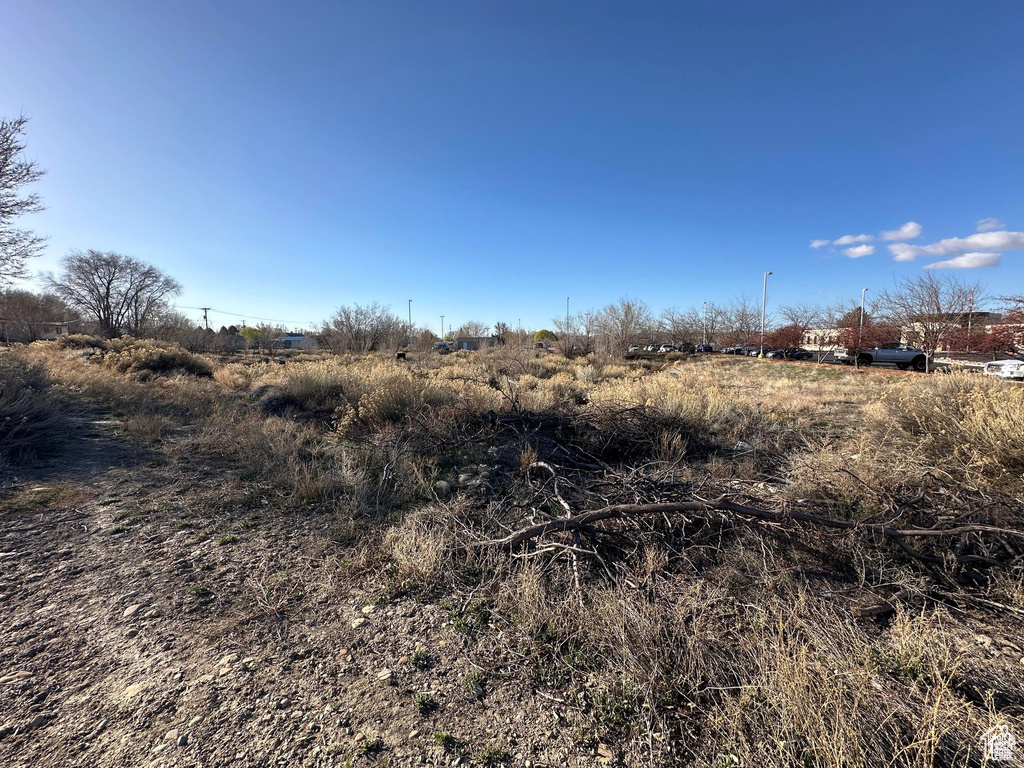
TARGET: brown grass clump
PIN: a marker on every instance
(158, 358)
(32, 420)
(965, 424)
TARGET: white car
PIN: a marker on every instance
(995, 367)
(1012, 370)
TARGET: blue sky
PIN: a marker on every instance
(486, 159)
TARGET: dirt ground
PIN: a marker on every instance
(147, 625)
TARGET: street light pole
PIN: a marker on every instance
(705, 335)
(970, 311)
(860, 327)
(565, 341)
(764, 301)
(442, 327)
(410, 325)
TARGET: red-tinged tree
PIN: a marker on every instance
(873, 334)
(782, 338)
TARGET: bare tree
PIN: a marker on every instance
(473, 329)
(120, 293)
(16, 245)
(929, 307)
(27, 315)
(577, 332)
(802, 316)
(740, 321)
(364, 328)
(624, 323)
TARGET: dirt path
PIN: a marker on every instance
(151, 618)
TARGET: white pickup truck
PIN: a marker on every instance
(901, 355)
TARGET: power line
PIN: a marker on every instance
(236, 314)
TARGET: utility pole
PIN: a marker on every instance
(206, 319)
(705, 336)
(860, 328)
(442, 327)
(410, 325)
(970, 311)
(565, 342)
(764, 301)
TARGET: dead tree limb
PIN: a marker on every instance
(722, 504)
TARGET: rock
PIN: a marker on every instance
(183, 740)
(368, 609)
(284, 703)
(231, 658)
(464, 479)
(358, 623)
(131, 632)
(404, 660)
(743, 446)
(384, 674)
(171, 735)
(39, 720)
(131, 610)
(133, 690)
(15, 677)
(152, 613)
(195, 721)
(443, 489)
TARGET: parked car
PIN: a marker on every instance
(1013, 370)
(651, 348)
(666, 348)
(704, 348)
(441, 347)
(902, 355)
(797, 353)
(776, 354)
(634, 348)
(995, 367)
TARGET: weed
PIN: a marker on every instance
(421, 660)
(492, 756)
(229, 538)
(372, 746)
(425, 703)
(447, 742)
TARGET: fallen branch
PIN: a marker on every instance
(722, 504)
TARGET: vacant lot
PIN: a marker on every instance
(346, 561)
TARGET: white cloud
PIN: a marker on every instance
(851, 239)
(859, 250)
(989, 224)
(989, 242)
(819, 243)
(968, 261)
(908, 231)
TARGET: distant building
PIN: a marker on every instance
(476, 342)
(53, 331)
(295, 341)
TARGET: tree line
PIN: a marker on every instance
(112, 294)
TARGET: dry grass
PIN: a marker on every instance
(697, 641)
(32, 420)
